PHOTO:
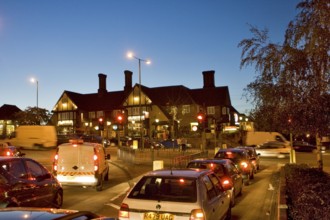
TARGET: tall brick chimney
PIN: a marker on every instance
(128, 80)
(208, 77)
(102, 84)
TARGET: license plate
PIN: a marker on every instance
(157, 216)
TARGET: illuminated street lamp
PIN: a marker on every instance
(33, 80)
(131, 55)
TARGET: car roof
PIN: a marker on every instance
(232, 150)
(211, 160)
(44, 213)
(184, 172)
(4, 158)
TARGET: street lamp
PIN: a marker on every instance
(131, 55)
(33, 80)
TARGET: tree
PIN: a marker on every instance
(33, 116)
(293, 79)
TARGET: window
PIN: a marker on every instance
(210, 110)
(99, 114)
(211, 191)
(185, 109)
(15, 168)
(91, 115)
(35, 169)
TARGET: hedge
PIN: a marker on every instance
(307, 192)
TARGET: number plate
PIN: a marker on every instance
(156, 216)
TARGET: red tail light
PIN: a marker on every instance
(96, 161)
(8, 153)
(55, 162)
(123, 211)
(197, 214)
(244, 165)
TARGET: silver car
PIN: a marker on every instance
(177, 194)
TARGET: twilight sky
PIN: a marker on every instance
(65, 44)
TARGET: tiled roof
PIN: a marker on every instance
(161, 96)
(217, 96)
(94, 102)
(7, 111)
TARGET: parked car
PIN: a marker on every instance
(25, 182)
(274, 149)
(241, 159)
(254, 156)
(15, 213)
(177, 194)
(7, 150)
(303, 146)
(226, 170)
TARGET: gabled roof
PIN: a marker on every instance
(95, 102)
(169, 95)
(7, 111)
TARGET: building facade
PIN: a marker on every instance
(157, 112)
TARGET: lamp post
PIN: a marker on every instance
(33, 80)
(131, 55)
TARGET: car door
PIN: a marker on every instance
(20, 187)
(236, 176)
(43, 191)
(215, 199)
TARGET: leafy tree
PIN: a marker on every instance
(33, 116)
(292, 88)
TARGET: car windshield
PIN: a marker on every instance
(176, 189)
(234, 156)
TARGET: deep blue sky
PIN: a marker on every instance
(66, 43)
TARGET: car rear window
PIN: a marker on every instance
(216, 168)
(175, 189)
(234, 156)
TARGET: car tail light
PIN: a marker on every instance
(197, 214)
(8, 153)
(244, 165)
(123, 211)
(96, 161)
(55, 162)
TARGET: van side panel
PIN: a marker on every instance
(256, 138)
(32, 136)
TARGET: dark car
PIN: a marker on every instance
(241, 159)
(47, 214)
(303, 146)
(254, 157)
(25, 182)
(226, 170)
(7, 150)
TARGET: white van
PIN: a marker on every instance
(34, 136)
(258, 138)
(81, 164)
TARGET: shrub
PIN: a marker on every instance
(308, 192)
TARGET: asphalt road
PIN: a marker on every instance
(257, 202)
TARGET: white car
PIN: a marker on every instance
(177, 194)
(274, 149)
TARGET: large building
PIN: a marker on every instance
(7, 119)
(162, 112)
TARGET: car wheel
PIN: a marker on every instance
(228, 214)
(232, 201)
(106, 177)
(58, 199)
(99, 186)
(251, 176)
